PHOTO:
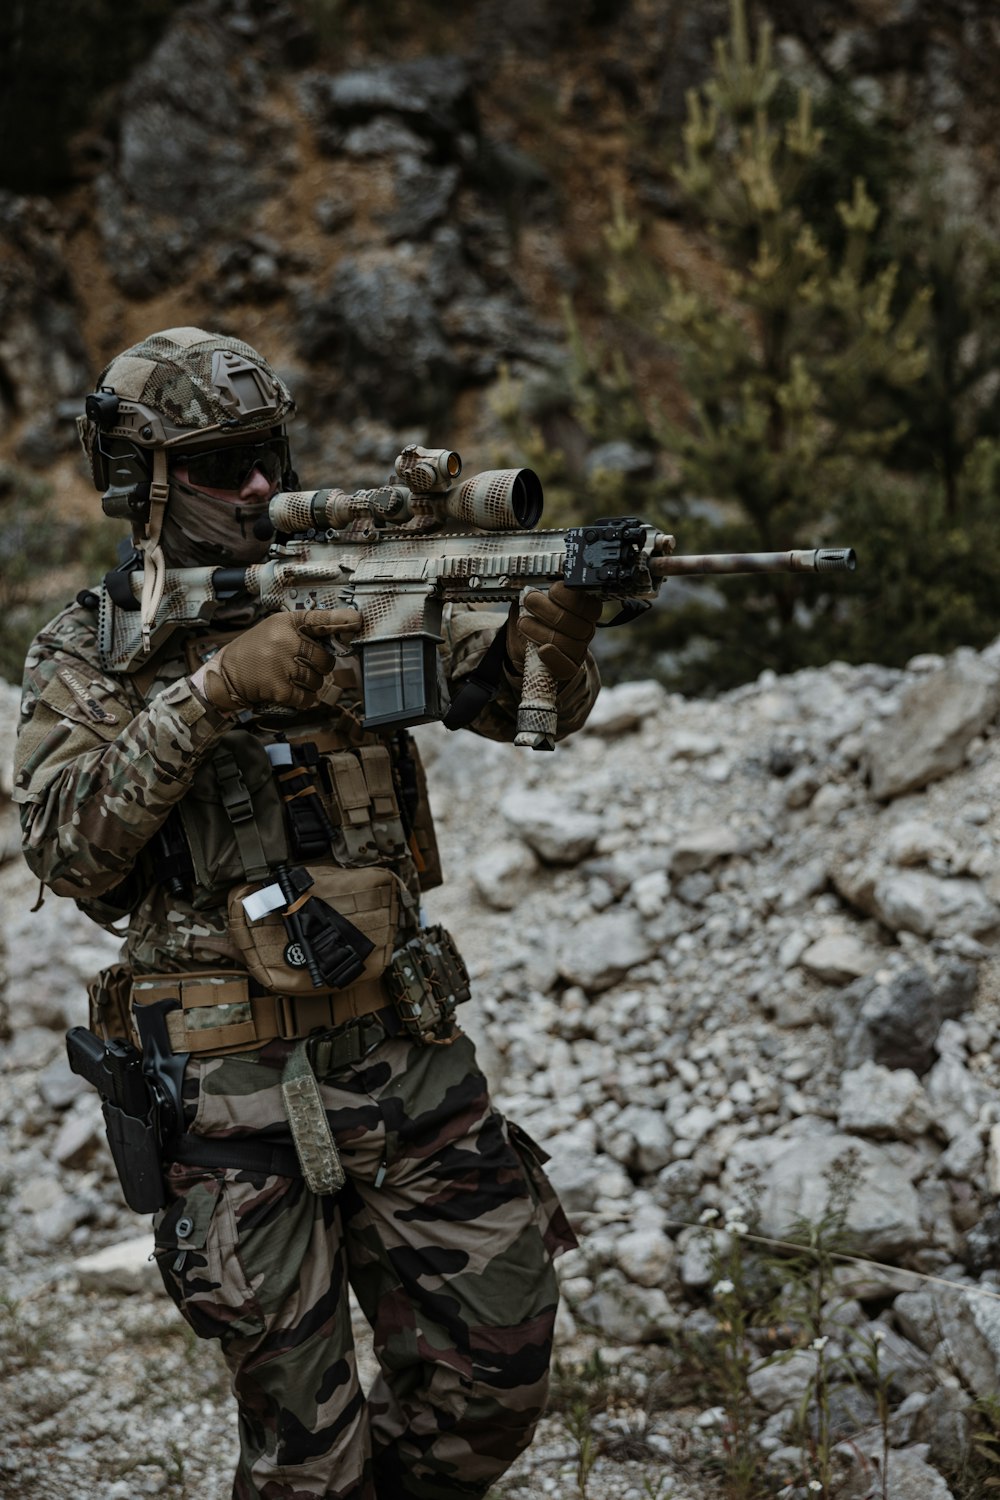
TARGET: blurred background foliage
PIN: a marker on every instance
(840, 371)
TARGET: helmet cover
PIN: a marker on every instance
(180, 388)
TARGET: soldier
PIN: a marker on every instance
(320, 1143)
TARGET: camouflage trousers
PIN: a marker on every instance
(446, 1230)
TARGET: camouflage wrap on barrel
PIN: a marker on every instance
(450, 1258)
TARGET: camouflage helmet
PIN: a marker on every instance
(181, 388)
(177, 390)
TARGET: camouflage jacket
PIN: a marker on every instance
(102, 761)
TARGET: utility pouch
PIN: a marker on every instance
(351, 808)
(428, 980)
(297, 773)
(368, 899)
(135, 1150)
(386, 821)
(233, 818)
(109, 996)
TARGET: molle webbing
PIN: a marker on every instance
(239, 810)
(219, 1014)
(352, 799)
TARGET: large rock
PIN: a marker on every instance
(917, 1315)
(630, 1314)
(43, 361)
(782, 1381)
(191, 153)
(970, 1323)
(880, 1102)
(928, 735)
(625, 706)
(956, 1096)
(793, 1172)
(433, 95)
(558, 833)
(701, 847)
(125, 1268)
(646, 1256)
(895, 1021)
(582, 1179)
(914, 901)
(371, 311)
(640, 1138)
(503, 874)
(858, 1464)
(839, 958)
(603, 949)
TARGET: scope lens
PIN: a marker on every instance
(526, 498)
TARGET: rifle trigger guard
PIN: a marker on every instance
(631, 610)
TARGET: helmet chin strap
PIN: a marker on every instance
(154, 572)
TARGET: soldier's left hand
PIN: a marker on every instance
(561, 623)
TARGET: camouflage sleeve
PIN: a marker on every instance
(468, 631)
(94, 775)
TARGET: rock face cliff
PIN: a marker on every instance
(394, 215)
(725, 954)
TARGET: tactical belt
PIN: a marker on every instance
(220, 1013)
(241, 1156)
(223, 1011)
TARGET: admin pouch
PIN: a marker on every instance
(369, 899)
(233, 818)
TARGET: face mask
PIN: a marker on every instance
(201, 531)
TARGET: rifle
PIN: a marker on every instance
(384, 551)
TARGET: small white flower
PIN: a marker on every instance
(707, 1215)
(815, 1485)
(878, 1335)
(723, 1288)
(821, 1342)
(737, 1226)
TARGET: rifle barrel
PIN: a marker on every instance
(817, 560)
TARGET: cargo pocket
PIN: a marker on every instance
(196, 1248)
(550, 1216)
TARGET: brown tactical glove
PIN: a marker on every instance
(561, 623)
(281, 659)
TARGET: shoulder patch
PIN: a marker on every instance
(87, 695)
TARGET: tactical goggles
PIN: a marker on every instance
(229, 468)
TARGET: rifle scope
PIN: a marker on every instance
(497, 500)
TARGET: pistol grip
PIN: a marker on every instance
(537, 719)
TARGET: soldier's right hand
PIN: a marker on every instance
(282, 659)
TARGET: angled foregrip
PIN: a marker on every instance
(537, 718)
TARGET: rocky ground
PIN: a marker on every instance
(727, 955)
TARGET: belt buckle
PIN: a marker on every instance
(347, 1043)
